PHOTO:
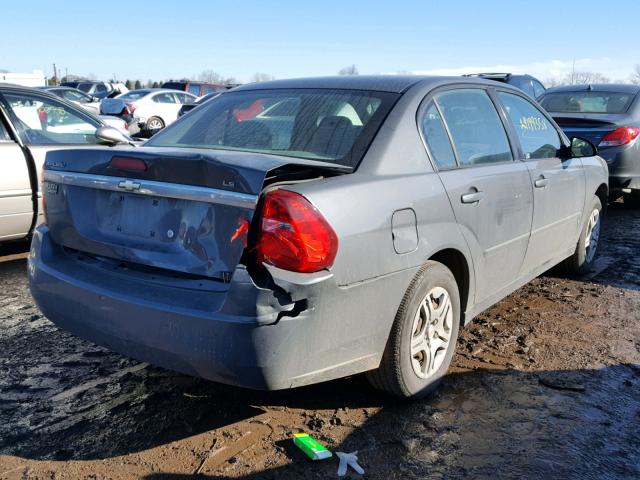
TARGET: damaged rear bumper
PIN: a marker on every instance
(240, 334)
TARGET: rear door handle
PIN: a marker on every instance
(474, 196)
(541, 182)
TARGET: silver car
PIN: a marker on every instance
(292, 232)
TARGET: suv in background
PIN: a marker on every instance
(528, 84)
(195, 88)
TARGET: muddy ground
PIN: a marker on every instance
(546, 384)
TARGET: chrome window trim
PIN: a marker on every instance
(153, 188)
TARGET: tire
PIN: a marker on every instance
(586, 252)
(408, 375)
(154, 125)
(633, 199)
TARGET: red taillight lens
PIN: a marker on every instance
(294, 235)
(126, 163)
(620, 136)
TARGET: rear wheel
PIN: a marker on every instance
(583, 258)
(423, 336)
(154, 125)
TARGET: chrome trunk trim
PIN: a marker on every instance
(153, 188)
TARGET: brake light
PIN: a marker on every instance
(620, 136)
(126, 163)
(293, 234)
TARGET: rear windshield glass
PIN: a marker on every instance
(174, 85)
(134, 95)
(323, 124)
(586, 102)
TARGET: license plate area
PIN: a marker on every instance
(155, 219)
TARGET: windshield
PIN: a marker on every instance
(323, 124)
(586, 102)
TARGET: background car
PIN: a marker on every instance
(78, 97)
(96, 88)
(198, 89)
(33, 123)
(199, 101)
(607, 115)
(525, 82)
(292, 232)
(147, 111)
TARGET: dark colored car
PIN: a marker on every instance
(190, 106)
(195, 88)
(528, 84)
(607, 115)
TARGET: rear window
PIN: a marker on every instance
(174, 85)
(85, 87)
(586, 102)
(323, 124)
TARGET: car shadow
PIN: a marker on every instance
(481, 423)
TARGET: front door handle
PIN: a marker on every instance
(541, 182)
(473, 196)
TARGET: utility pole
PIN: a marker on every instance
(55, 73)
(66, 74)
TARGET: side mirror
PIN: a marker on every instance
(582, 148)
(111, 136)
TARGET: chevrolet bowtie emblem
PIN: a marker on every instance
(129, 186)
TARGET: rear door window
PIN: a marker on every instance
(538, 137)
(194, 89)
(437, 139)
(164, 98)
(476, 129)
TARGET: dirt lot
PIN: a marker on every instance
(546, 384)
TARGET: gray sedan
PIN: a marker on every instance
(293, 232)
(607, 115)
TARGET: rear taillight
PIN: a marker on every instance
(293, 234)
(620, 136)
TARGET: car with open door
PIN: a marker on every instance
(298, 231)
(34, 123)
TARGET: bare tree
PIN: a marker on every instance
(349, 70)
(2, 70)
(261, 77)
(210, 76)
(575, 78)
(552, 82)
(635, 76)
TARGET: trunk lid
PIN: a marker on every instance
(112, 106)
(591, 127)
(188, 212)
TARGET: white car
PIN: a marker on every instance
(147, 110)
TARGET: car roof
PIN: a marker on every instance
(597, 87)
(381, 83)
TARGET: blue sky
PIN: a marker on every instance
(172, 39)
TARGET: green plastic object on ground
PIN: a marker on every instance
(311, 447)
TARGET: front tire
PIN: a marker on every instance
(423, 336)
(586, 252)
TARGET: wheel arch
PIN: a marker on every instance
(602, 192)
(456, 261)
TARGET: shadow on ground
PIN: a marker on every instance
(481, 424)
